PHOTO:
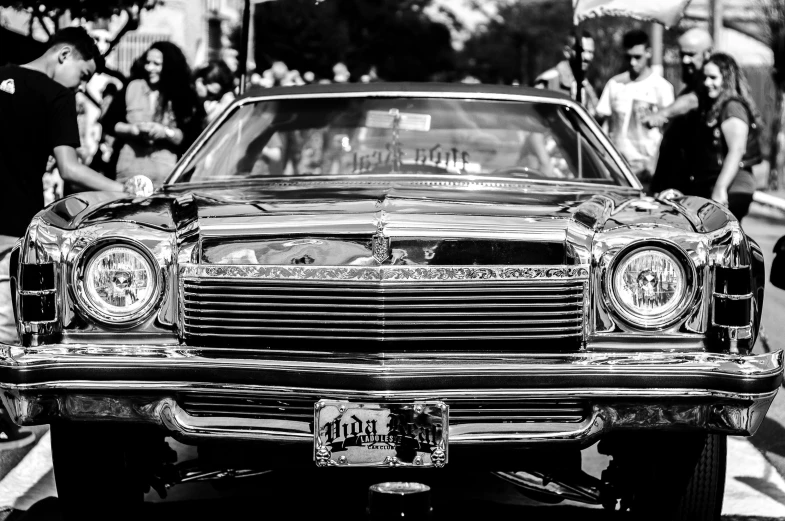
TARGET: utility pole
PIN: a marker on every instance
(715, 21)
(655, 35)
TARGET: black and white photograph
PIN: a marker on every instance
(498, 259)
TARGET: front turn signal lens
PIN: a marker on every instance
(119, 283)
(649, 286)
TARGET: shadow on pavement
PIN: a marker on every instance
(246, 508)
(765, 487)
(770, 437)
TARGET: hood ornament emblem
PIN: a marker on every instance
(380, 245)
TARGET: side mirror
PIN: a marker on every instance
(777, 277)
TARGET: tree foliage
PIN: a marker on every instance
(774, 15)
(394, 36)
(87, 9)
(528, 37)
(524, 39)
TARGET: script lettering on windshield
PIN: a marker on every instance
(437, 156)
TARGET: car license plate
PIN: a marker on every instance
(373, 435)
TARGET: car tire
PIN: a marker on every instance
(684, 479)
(94, 472)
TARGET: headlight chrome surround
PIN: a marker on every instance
(98, 308)
(675, 308)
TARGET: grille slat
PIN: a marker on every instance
(225, 310)
(461, 412)
(384, 298)
(195, 321)
(452, 305)
(203, 289)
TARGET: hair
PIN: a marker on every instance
(82, 43)
(734, 87)
(574, 36)
(635, 37)
(216, 71)
(176, 84)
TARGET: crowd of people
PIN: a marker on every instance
(146, 124)
(703, 142)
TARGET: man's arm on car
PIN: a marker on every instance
(683, 104)
(75, 172)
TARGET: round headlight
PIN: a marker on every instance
(649, 286)
(119, 283)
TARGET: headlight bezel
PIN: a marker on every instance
(86, 304)
(665, 319)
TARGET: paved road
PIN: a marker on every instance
(755, 488)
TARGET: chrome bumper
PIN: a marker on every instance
(700, 391)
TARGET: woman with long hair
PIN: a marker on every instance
(729, 135)
(157, 116)
(215, 87)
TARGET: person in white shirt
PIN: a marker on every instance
(628, 99)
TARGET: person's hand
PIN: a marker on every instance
(653, 120)
(720, 195)
(139, 186)
(156, 132)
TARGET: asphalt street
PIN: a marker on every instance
(755, 488)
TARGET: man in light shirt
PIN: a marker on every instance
(629, 99)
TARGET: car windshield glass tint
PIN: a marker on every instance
(382, 136)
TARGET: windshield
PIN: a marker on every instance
(381, 136)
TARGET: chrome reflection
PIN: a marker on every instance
(702, 411)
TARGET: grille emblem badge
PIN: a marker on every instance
(380, 246)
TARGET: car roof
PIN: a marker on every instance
(364, 88)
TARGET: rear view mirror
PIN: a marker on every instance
(405, 120)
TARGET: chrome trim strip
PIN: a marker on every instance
(733, 414)
(366, 395)
(386, 273)
(388, 364)
(733, 297)
(37, 292)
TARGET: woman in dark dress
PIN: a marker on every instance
(729, 135)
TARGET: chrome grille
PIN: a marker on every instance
(225, 310)
(461, 411)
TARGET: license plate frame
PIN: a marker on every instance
(352, 434)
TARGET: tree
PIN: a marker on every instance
(522, 40)
(528, 36)
(87, 9)
(395, 36)
(774, 14)
(54, 12)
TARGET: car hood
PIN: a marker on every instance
(329, 224)
(423, 223)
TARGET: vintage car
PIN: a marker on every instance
(437, 276)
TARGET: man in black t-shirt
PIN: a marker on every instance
(38, 119)
(676, 165)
